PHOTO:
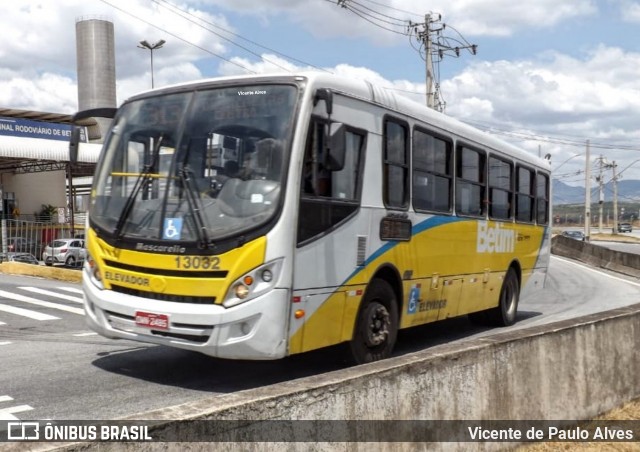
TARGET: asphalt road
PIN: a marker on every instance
(53, 367)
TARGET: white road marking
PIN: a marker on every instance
(71, 289)
(27, 313)
(45, 304)
(5, 343)
(6, 414)
(594, 270)
(52, 294)
(85, 334)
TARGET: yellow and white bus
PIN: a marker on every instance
(257, 217)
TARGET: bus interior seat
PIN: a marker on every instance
(245, 198)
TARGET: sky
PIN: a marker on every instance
(548, 75)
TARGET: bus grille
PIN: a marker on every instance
(205, 274)
(163, 296)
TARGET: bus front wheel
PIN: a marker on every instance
(377, 324)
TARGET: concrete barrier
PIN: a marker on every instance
(597, 256)
(575, 369)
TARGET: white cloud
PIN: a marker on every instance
(630, 11)
(595, 97)
(504, 17)
(556, 86)
(47, 92)
(368, 20)
(44, 32)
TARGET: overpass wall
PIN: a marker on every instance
(574, 369)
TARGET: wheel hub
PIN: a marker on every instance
(379, 321)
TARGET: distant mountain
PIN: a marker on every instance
(628, 191)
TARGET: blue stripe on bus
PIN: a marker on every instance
(429, 223)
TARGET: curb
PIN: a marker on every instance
(42, 271)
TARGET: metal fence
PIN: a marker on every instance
(30, 236)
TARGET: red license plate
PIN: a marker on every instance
(151, 320)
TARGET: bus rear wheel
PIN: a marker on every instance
(505, 313)
(376, 328)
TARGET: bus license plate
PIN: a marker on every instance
(151, 320)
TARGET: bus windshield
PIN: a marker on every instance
(195, 166)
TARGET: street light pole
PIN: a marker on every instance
(151, 47)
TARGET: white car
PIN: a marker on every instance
(70, 252)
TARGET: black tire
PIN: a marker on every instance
(48, 264)
(505, 313)
(376, 327)
(70, 261)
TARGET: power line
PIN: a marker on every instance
(178, 37)
(176, 7)
(217, 34)
(394, 9)
(393, 20)
(563, 140)
(370, 17)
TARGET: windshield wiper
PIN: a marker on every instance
(185, 177)
(142, 179)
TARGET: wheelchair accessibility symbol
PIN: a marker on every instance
(172, 229)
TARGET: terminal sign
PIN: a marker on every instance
(26, 128)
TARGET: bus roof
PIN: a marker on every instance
(375, 94)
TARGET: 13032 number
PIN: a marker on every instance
(198, 262)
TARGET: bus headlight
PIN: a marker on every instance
(241, 291)
(255, 283)
(94, 272)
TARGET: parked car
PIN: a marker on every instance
(70, 252)
(575, 235)
(20, 245)
(25, 258)
(624, 227)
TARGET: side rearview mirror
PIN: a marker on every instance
(80, 121)
(326, 95)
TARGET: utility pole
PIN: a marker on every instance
(433, 42)
(600, 193)
(615, 199)
(429, 61)
(587, 200)
(600, 179)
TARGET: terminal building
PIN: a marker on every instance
(35, 172)
(34, 164)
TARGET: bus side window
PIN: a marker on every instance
(329, 197)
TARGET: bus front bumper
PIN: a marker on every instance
(255, 329)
